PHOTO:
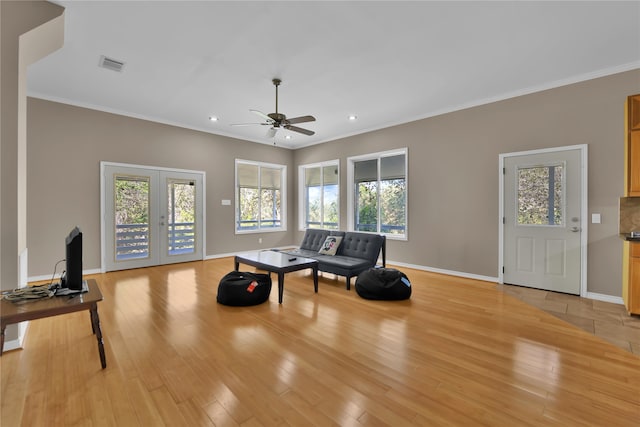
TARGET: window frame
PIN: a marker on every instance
(302, 194)
(283, 196)
(351, 189)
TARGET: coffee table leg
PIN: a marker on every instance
(236, 264)
(315, 278)
(95, 323)
(280, 287)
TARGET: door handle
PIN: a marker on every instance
(575, 229)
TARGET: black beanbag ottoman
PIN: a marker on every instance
(243, 288)
(383, 284)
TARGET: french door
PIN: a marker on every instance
(543, 219)
(151, 216)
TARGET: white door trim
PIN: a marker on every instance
(584, 223)
(103, 225)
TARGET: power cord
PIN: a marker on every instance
(35, 292)
(55, 267)
(30, 293)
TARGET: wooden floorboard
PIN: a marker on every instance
(459, 352)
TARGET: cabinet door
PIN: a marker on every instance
(634, 283)
(634, 163)
(634, 112)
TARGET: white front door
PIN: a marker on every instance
(543, 222)
(151, 216)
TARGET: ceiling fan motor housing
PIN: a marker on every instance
(277, 117)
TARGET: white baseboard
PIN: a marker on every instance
(57, 276)
(590, 295)
(17, 343)
(447, 272)
(605, 298)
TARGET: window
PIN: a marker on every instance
(260, 196)
(540, 195)
(319, 186)
(378, 193)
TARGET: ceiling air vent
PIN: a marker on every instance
(111, 64)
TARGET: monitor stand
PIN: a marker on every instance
(67, 291)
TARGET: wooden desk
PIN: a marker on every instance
(11, 313)
(279, 263)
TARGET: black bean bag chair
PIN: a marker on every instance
(239, 288)
(383, 284)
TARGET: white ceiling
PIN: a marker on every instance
(387, 62)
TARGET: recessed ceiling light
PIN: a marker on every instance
(287, 137)
(213, 118)
(353, 117)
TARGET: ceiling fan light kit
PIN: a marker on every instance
(278, 120)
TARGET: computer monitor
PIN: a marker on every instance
(73, 247)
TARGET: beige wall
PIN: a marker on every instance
(66, 145)
(17, 18)
(453, 173)
(17, 50)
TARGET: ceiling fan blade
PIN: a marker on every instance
(299, 130)
(263, 115)
(271, 132)
(301, 119)
(248, 124)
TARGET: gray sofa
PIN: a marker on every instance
(357, 252)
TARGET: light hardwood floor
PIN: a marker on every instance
(459, 352)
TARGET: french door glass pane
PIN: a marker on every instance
(540, 195)
(131, 217)
(181, 213)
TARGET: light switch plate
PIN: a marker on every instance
(226, 202)
(595, 218)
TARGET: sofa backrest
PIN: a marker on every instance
(314, 238)
(361, 245)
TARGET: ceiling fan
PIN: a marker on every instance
(278, 120)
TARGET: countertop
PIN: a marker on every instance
(627, 236)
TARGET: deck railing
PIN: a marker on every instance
(132, 240)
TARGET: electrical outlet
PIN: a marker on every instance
(259, 239)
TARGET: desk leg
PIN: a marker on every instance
(236, 264)
(95, 324)
(315, 278)
(280, 287)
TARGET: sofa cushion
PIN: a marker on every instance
(330, 245)
(342, 261)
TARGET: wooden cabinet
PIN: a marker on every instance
(631, 253)
(633, 291)
(633, 145)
